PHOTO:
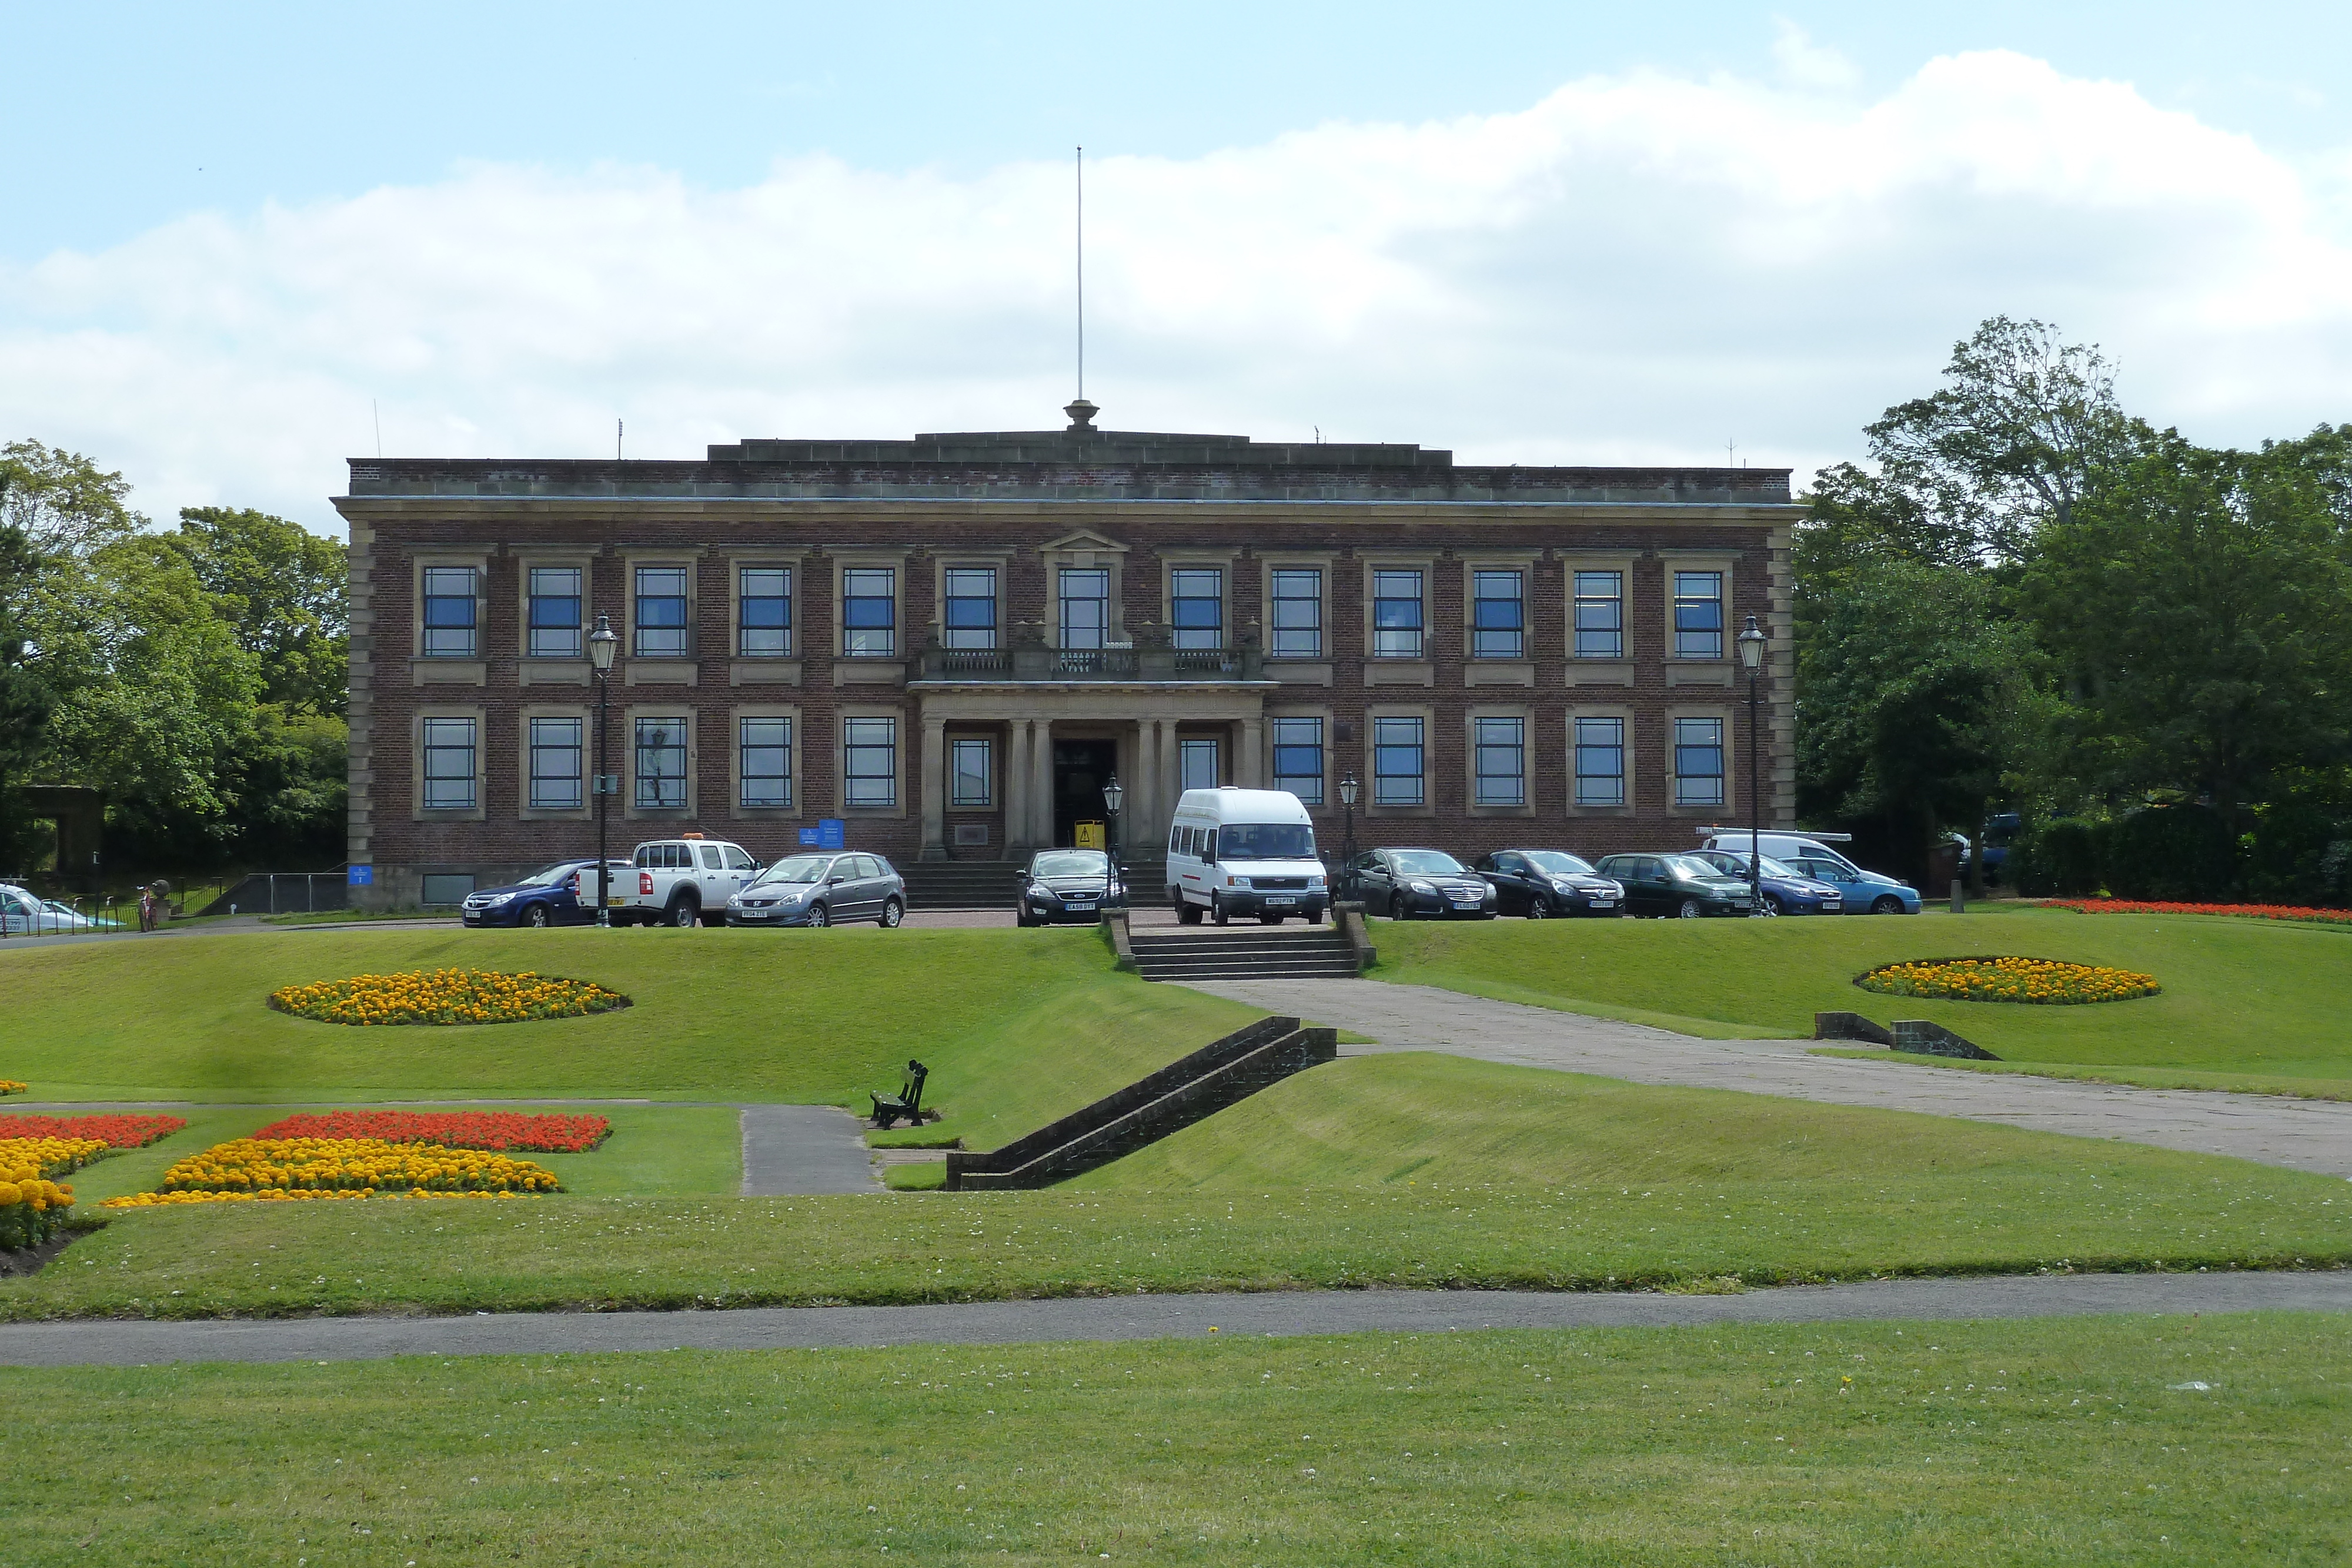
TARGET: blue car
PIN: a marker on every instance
(1785, 890)
(563, 893)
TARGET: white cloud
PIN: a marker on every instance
(1632, 270)
(1803, 63)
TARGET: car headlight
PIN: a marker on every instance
(736, 902)
(1428, 887)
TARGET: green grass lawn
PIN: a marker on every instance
(2035, 1442)
(2246, 1003)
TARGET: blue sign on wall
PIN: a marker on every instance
(831, 832)
(808, 837)
(363, 876)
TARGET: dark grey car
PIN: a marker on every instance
(1063, 884)
(822, 889)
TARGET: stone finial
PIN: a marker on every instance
(1082, 415)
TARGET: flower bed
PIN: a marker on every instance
(11, 1086)
(273, 1195)
(495, 1130)
(446, 997)
(49, 1155)
(2045, 981)
(116, 1132)
(353, 1164)
(2245, 911)
(32, 1208)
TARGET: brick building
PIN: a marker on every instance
(951, 641)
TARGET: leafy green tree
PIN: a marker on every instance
(25, 696)
(282, 588)
(62, 502)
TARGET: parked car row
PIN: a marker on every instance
(691, 881)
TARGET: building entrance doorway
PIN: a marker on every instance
(1081, 769)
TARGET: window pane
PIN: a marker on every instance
(1500, 763)
(1197, 764)
(870, 761)
(1396, 614)
(1298, 629)
(554, 616)
(1086, 607)
(1600, 761)
(1698, 615)
(661, 763)
(1196, 606)
(448, 764)
(974, 778)
(1698, 762)
(449, 611)
(970, 620)
(1298, 757)
(661, 612)
(1497, 616)
(557, 782)
(763, 612)
(765, 761)
(869, 611)
(1396, 761)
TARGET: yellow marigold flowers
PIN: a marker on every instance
(446, 997)
(2046, 981)
(32, 1208)
(14, 1086)
(48, 1157)
(272, 1194)
(253, 1166)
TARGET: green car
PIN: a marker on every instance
(1683, 886)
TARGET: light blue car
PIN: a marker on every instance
(1860, 892)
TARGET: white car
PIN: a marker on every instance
(685, 880)
(24, 914)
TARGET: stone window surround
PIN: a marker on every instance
(999, 561)
(478, 811)
(1621, 562)
(479, 560)
(1226, 563)
(844, 563)
(1369, 799)
(1624, 714)
(585, 811)
(1525, 715)
(1085, 549)
(1387, 560)
(842, 716)
(739, 811)
(624, 761)
(1321, 561)
(688, 559)
(1476, 561)
(1674, 561)
(528, 558)
(1330, 781)
(1732, 775)
(787, 559)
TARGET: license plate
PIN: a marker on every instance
(1285, 899)
(1604, 903)
(1467, 903)
(615, 901)
(1077, 905)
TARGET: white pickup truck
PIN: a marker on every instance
(686, 879)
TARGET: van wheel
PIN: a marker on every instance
(893, 912)
(1217, 910)
(535, 916)
(1187, 913)
(684, 912)
(1690, 909)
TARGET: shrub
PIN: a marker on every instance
(2168, 852)
(2055, 860)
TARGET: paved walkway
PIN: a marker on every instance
(793, 1149)
(1271, 1313)
(2303, 1135)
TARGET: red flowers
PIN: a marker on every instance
(495, 1130)
(117, 1132)
(2251, 911)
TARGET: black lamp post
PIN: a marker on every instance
(1751, 655)
(602, 645)
(1113, 796)
(1348, 788)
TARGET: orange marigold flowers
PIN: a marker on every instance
(2045, 981)
(446, 997)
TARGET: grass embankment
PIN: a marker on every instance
(2029, 1443)
(809, 1017)
(1382, 1171)
(2247, 1005)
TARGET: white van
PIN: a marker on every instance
(1244, 851)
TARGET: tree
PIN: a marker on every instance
(282, 588)
(25, 696)
(62, 502)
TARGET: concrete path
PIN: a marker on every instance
(793, 1149)
(1271, 1313)
(2303, 1135)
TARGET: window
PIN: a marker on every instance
(1396, 615)
(763, 762)
(1396, 761)
(1196, 607)
(556, 781)
(974, 773)
(1298, 758)
(1497, 615)
(449, 611)
(1298, 614)
(970, 619)
(1501, 762)
(1698, 762)
(1196, 763)
(1086, 607)
(449, 764)
(763, 612)
(1698, 615)
(1601, 761)
(661, 612)
(869, 611)
(870, 761)
(661, 764)
(445, 887)
(737, 859)
(555, 629)
(1600, 614)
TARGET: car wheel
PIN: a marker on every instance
(1397, 907)
(1021, 917)
(1689, 909)
(817, 915)
(684, 912)
(535, 916)
(1538, 908)
(1217, 910)
(893, 912)
(1772, 905)
(1889, 904)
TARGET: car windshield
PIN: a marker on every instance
(549, 875)
(799, 868)
(1736, 865)
(1071, 862)
(1266, 841)
(1692, 865)
(1557, 864)
(1425, 863)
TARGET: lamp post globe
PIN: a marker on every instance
(1113, 797)
(602, 645)
(1751, 657)
(1348, 788)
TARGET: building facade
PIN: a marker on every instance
(950, 643)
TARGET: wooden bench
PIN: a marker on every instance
(906, 1105)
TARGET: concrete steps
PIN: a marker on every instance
(1239, 953)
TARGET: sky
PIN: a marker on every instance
(242, 244)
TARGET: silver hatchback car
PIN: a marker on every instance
(822, 889)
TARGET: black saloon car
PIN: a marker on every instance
(1410, 885)
(1540, 884)
(1680, 885)
(1063, 884)
(551, 896)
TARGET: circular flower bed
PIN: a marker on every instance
(2046, 981)
(446, 996)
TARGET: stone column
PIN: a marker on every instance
(1172, 765)
(1016, 788)
(1249, 767)
(1040, 783)
(935, 795)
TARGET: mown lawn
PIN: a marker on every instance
(2244, 1001)
(2037, 1442)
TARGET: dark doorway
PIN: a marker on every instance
(1081, 769)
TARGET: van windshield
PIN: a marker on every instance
(1266, 841)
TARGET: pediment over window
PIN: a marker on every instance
(1084, 539)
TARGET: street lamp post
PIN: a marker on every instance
(1113, 796)
(601, 644)
(1348, 788)
(1751, 655)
